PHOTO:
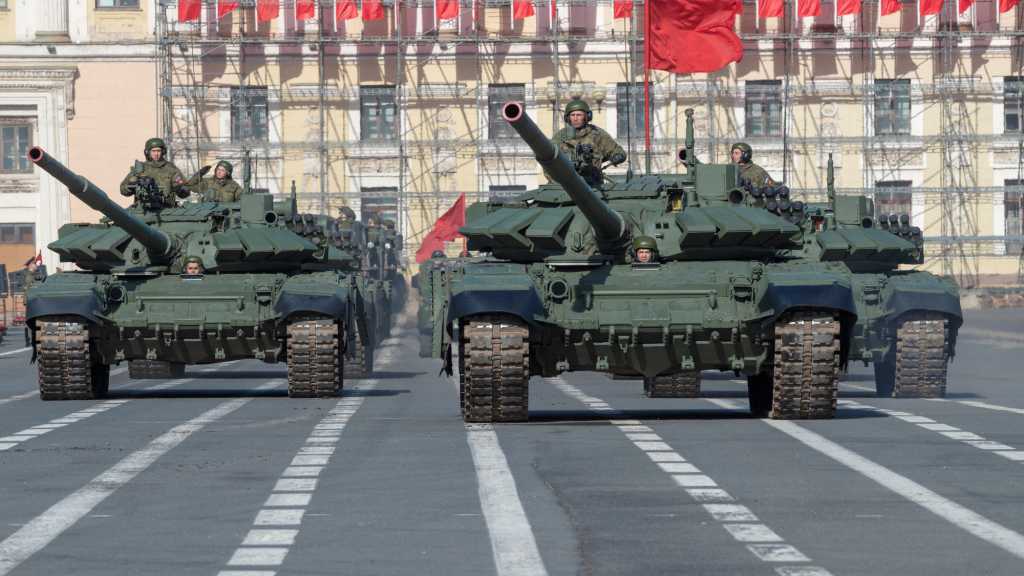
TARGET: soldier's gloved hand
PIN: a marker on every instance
(204, 170)
(617, 159)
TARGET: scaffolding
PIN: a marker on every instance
(428, 155)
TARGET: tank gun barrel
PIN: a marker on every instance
(608, 224)
(154, 240)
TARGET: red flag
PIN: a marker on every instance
(848, 7)
(447, 9)
(225, 6)
(930, 7)
(965, 4)
(806, 8)
(305, 9)
(554, 10)
(345, 10)
(267, 10)
(522, 9)
(693, 35)
(623, 8)
(445, 229)
(39, 258)
(770, 9)
(189, 10)
(1007, 5)
(373, 10)
(891, 7)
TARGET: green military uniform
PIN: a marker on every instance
(168, 178)
(215, 189)
(606, 149)
(750, 172)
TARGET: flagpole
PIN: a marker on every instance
(647, 86)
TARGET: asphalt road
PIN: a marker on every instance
(220, 473)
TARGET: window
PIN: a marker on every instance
(505, 191)
(629, 113)
(763, 108)
(893, 197)
(3, 4)
(249, 119)
(378, 113)
(18, 234)
(497, 96)
(1013, 199)
(117, 3)
(892, 107)
(381, 202)
(15, 140)
(1013, 103)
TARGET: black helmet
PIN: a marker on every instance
(577, 105)
(347, 213)
(437, 254)
(745, 150)
(155, 143)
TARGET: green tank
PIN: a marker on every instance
(658, 276)
(261, 292)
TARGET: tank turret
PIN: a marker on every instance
(158, 243)
(609, 226)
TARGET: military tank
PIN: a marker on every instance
(264, 293)
(562, 290)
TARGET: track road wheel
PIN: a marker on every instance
(921, 356)
(494, 366)
(360, 364)
(314, 358)
(680, 385)
(68, 367)
(759, 392)
(805, 376)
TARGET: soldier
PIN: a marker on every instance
(32, 274)
(646, 250)
(346, 214)
(219, 188)
(193, 266)
(586, 145)
(166, 175)
(749, 172)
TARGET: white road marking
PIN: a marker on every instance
(986, 406)
(949, 510)
(17, 351)
(17, 397)
(45, 528)
(737, 519)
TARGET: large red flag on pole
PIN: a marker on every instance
(305, 9)
(373, 10)
(623, 9)
(770, 9)
(929, 7)
(965, 4)
(447, 9)
(189, 10)
(225, 6)
(891, 7)
(522, 9)
(808, 8)
(693, 35)
(346, 10)
(1007, 5)
(267, 10)
(445, 229)
(845, 7)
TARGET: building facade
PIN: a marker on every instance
(399, 116)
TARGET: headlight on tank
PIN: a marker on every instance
(116, 294)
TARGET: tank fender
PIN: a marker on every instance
(81, 301)
(304, 297)
(781, 297)
(935, 296)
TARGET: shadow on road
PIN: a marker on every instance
(243, 375)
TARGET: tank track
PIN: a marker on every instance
(922, 356)
(314, 358)
(155, 370)
(66, 368)
(680, 385)
(494, 369)
(805, 377)
(360, 365)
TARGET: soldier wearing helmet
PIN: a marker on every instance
(749, 172)
(164, 173)
(346, 214)
(193, 266)
(645, 250)
(579, 138)
(220, 187)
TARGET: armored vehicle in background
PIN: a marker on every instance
(562, 290)
(262, 292)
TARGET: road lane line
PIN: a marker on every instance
(956, 514)
(738, 520)
(985, 405)
(951, 432)
(18, 351)
(48, 526)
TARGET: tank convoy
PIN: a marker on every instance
(264, 293)
(774, 289)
